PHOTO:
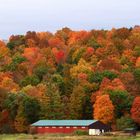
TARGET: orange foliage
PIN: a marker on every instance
(56, 42)
(31, 43)
(129, 54)
(78, 36)
(103, 109)
(101, 52)
(115, 84)
(4, 54)
(6, 82)
(138, 62)
(135, 110)
(37, 92)
(33, 56)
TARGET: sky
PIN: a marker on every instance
(20, 16)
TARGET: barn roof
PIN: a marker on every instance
(63, 122)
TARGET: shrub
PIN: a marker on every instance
(125, 122)
(80, 132)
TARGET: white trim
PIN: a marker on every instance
(67, 127)
(83, 127)
(60, 127)
(53, 127)
(74, 127)
(94, 132)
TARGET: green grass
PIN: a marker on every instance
(63, 137)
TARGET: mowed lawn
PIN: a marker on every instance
(63, 137)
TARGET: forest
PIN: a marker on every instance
(70, 75)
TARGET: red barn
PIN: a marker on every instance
(68, 126)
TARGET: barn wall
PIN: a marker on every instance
(100, 125)
(60, 129)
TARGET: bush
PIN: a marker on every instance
(125, 122)
(80, 132)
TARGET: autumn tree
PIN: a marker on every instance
(81, 67)
(103, 109)
(135, 110)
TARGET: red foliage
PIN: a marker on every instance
(59, 55)
(82, 76)
(89, 51)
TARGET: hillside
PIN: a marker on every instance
(70, 75)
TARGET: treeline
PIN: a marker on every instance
(70, 75)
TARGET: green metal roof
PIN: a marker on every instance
(63, 122)
(129, 129)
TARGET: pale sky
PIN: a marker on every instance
(20, 16)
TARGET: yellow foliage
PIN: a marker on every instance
(82, 67)
(9, 84)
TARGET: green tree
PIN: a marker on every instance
(76, 102)
(54, 108)
(122, 101)
(11, 104)
(31, 109)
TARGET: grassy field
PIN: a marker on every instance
(64, 137)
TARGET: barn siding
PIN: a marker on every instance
(59, 129)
